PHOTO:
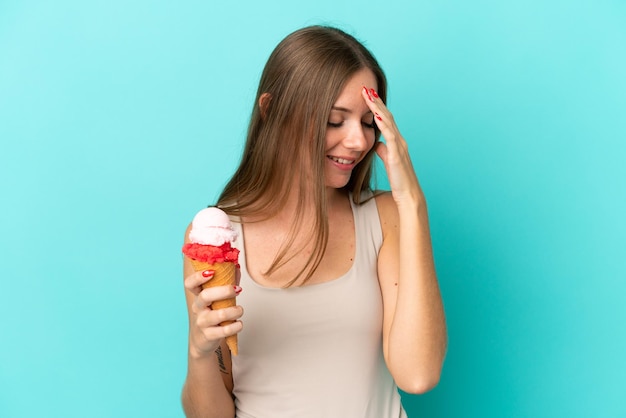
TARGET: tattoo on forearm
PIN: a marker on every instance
(220, 360)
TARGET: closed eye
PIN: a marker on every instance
(335, 125)
(370, 125)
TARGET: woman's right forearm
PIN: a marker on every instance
(204, 393)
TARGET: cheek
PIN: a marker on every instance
(330, 140)
(371, 140)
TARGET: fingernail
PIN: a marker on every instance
(378, 116)
(368, 93)
(238, 289)
(207, 273)
(374, 93)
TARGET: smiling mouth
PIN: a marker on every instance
(341, 160)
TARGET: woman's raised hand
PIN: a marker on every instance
(204, 322)
(394, 152)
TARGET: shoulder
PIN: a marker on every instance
(387, 212)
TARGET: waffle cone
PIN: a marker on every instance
(225, 275)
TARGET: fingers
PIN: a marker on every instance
(375, 103)
(194, 281)
(394, 152)
(209, 321)
(211, 336)
(206, 297)
(208, 326)
(381, 150)
(385, 123)
(383, 118)
(215, 324)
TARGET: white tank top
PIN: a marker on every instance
(316, 351)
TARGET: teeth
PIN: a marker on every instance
(341, 160)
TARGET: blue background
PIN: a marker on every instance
(119, 120)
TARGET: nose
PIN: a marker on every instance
(357, 139)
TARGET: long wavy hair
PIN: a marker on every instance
(286, 139)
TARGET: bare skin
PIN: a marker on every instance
(414, 330)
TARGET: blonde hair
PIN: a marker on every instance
(302, 79)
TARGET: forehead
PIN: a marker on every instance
(350, 95)
(363, 77)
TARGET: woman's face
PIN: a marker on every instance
(350, 131)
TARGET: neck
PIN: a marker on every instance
(334, 196)
(293, 202)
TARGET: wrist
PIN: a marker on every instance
(412, 203)
(198, 354)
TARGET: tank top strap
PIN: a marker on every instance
(367, 227)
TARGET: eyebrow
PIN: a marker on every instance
(346, 110)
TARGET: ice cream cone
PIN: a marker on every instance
(209, 248)
(225, 275)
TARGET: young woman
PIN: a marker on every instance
(341, 299)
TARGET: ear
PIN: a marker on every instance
(264, 103)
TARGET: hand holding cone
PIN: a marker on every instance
(210, 249)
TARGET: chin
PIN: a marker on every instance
(337, 183)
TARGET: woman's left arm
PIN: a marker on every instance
(414, 329)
